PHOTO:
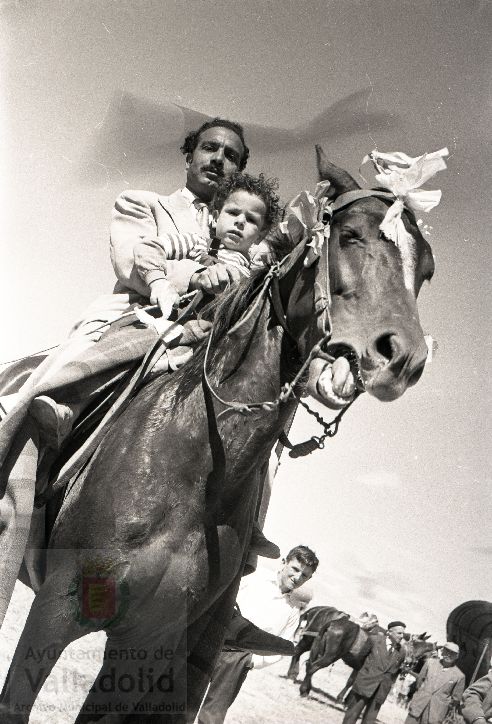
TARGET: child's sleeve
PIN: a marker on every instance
(151, 255)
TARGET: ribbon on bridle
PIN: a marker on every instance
(403, 175)
(305, 219)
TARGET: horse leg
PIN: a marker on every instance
(348, 685)
(301, 648)
(141, 679)
(50, 627)
(324, 652)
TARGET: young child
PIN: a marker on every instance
(244, 210)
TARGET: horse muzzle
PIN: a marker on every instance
(335, 378)
(384, 370)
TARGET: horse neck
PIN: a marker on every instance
(251, 365)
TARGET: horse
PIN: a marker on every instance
(328, 635)
(152, 537)
(419, 649)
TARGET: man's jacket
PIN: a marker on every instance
(380, 669)
(477, 700)
(139, 215)
(437, 686)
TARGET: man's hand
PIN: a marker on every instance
(165, 295)
(214, 279)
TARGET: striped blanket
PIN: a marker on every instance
(79, 371)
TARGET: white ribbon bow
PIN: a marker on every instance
(304, 217)
(403, 175)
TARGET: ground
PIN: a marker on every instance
(267, 697)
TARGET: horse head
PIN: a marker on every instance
(417, 650)
(366, 289)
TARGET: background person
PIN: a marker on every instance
(477, 701)
(440, 684)
(377, 675)
(265, 598)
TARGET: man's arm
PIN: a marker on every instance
(132, 220)
(458, 690)
(152, 255)
(473, 699)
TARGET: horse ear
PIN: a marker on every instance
(340, 180)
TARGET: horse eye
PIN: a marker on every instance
(382, 236)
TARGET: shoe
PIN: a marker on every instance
(244, 635)
(54, 420)
(261, 546)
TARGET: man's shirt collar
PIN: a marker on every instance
(188, 195)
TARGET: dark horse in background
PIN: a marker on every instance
(166, 505)
(328, 635)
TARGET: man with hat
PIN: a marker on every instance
(440, 684)
(377, 675)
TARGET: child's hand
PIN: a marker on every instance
(165, 295)
(214, 279)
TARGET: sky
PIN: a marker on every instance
(396, 506)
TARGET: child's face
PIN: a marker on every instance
(241, 221)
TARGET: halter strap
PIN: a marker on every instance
(349, 197)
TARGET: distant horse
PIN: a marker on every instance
(154, 532)
(419, 649)
(328, 635)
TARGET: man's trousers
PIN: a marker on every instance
(229, 675)
(357, 704)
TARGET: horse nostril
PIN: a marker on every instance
(385, 347)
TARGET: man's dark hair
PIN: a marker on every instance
(259, 186)
(304, 555)
(191, 140)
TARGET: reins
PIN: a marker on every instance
(270, 287)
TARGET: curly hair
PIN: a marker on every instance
(259, 186)
(304, 555)
(191, 140)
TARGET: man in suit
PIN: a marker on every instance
(439, 685)
(377, 675)
(477, 701)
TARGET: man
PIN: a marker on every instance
(213, 151)
(376, 677)
(440, 684)
(272, 602)
(477, 701)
